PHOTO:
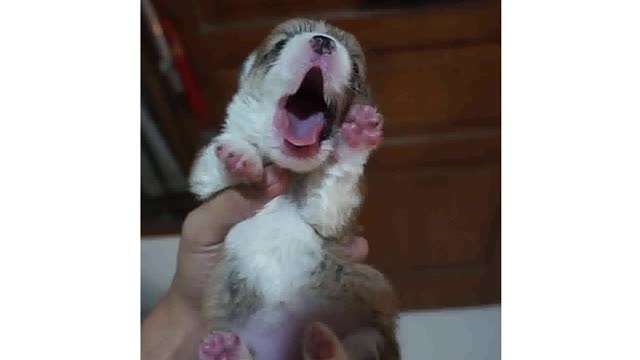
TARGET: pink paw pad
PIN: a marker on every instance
(363, 126)
(239, 164)
(219, 346)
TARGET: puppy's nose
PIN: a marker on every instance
(322, 44)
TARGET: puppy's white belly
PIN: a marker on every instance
(275, 251)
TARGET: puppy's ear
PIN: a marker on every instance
(246, 67)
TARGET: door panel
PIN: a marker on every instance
(422, 90)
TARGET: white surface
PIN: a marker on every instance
(158, 263)
(451, 334)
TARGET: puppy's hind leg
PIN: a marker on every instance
(374, 294)
(219, 345)
(228, 297)
(369, 298)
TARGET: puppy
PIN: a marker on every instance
(303, 103)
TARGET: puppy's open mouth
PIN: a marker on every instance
(307, 121)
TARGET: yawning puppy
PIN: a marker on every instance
(303, 103)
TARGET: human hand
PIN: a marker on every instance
(320, 343)
(176, 324)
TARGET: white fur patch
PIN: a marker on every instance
(276, 250)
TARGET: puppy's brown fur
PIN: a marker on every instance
(357, 289)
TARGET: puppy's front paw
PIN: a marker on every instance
(362, 128)
(219, 345)
(240, 160)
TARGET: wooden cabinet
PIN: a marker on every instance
(432, 214)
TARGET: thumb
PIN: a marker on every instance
(273, 182)
(244, 200)
(208, 224)
(320, 343)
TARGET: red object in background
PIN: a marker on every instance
(194, 96)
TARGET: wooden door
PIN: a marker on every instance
(432, 214)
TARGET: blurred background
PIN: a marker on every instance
(432, 213)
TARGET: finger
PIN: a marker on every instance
(358, 249)
(243, 201)
(274, 181)
(320, 343)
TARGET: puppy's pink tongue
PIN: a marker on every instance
(301, 132)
